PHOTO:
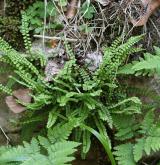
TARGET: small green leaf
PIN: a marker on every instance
(88, 10)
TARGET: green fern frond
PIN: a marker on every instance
(102, 129)
(149, 65)
(5, 89)
(105, 115)
(61, 132)
(124, 154)
(86, 143)
(52, 118)
(126, 126)
(25, 32)
(30, 153)
(60, 153)
(20, 153)
(114, 57)
(138, 149)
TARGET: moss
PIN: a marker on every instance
(14, 7)
(10, 24)
(10, 31)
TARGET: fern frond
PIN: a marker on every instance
(149, 65)
(58, 154)
(5, 89)
(20, 153)
(52, 118)
(126, 126)
(138, 149)
(61, 132)
(114, 58)
(105, 115)
(25, 32)
(148, 122)
(86, 143)
(124, 154)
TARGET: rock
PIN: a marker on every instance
(93, 60)
(8, 127)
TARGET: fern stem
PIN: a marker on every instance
(103, 141)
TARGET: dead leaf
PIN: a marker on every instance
(149, 6)
(20, 94)
(72, 9)
(103, 2)
(53, 43)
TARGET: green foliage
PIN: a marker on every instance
(35, 14)
(9, 30)
(88, 10)
(145, 143)
(58, 153)
(78, 103)
(25, 32)
(62, 2)
(5, 89)
(76, 94)
(114, 57)
(124, 154)
(149, 65)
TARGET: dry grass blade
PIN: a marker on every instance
(103, 2)
(72, 9)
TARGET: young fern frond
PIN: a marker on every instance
(126, 126)
(25, 32)
(114, 57)
(16, 59)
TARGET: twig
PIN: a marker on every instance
(45, 21)
(5, 135)
(4, 8)
(56, 38)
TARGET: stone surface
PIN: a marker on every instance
(5, 117)
(6, 125)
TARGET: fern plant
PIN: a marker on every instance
(145, 140)
(74, 94)
(41, 150)
(91, 99)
